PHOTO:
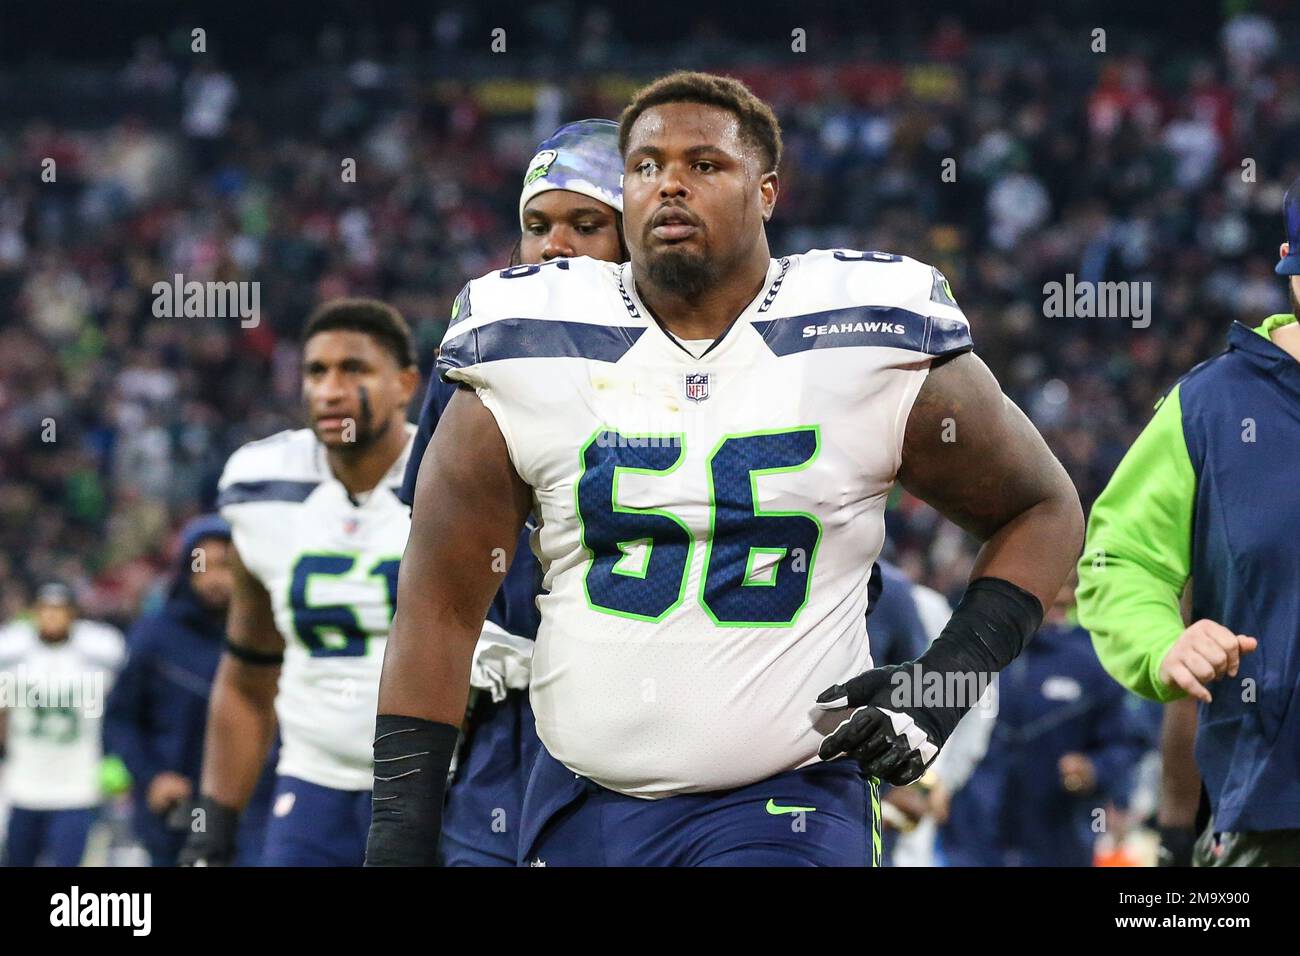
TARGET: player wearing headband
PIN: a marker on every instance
(570, 205)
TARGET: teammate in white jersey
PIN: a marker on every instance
(708, 436)
(318, 532)
(55, 673)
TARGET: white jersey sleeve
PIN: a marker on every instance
(707, 524)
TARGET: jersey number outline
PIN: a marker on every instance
(334, 630)
(58, 725)
(733, 592)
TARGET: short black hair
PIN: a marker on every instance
(757, 121)
(379, 320)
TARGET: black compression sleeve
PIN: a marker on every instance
(990, 627)
(412, 758)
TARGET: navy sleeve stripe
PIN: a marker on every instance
(537, 338)
(243, 492)
(865, 326)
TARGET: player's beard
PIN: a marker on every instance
(55, 635)
(681, 273)
(367, 436)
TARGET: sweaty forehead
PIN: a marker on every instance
(683, 125)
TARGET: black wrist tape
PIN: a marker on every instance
(993, 622)
(250, 656)
(412, 757)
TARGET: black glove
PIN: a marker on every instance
(213, 829)
(897, 730)
(886, 741)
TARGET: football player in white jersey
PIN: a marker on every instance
(318, 532)
(55, 673)
(707, 436)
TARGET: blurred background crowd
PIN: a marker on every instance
(1162, 159)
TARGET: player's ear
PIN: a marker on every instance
(408, 380)
(768, 188)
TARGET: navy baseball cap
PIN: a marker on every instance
(1290, 265)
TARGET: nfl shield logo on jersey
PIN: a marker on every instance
(697, 385)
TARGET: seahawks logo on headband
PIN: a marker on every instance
(540, 165)
(941, 291)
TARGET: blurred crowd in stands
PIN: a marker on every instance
(1008, 162)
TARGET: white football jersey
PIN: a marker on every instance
(54, 695)
(330, 567)
(707, 525)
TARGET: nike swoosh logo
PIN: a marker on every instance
(775, 810)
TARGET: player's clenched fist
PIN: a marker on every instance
(885, 740)
(890, 735)
(1203, 653)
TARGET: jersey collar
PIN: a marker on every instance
(776, 269)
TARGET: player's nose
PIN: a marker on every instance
(331, 388)
(559, 245)
(671, 182)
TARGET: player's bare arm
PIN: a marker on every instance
(1180, 783)
(241, 719)
(448, 575)
(469, 502)
(972, 455)
(1180, 779)
(241, 715)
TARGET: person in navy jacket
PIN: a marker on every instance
(1063, 748)
(157, 713)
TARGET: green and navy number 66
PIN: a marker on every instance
(758, 564)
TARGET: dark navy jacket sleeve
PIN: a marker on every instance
(436, 397)
(126, 712)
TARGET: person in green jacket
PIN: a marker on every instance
(1188, 503)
